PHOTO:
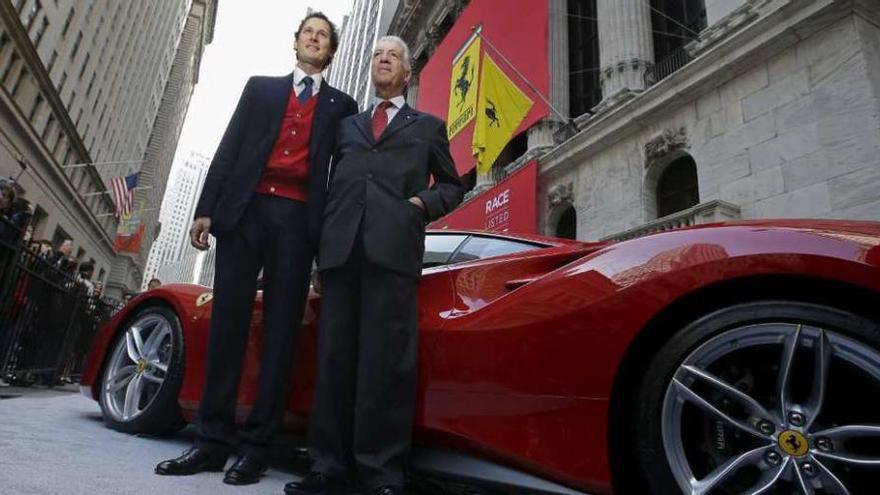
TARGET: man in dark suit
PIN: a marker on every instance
(263, 199)
(370, 261)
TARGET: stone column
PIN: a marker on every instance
(485, 181)
(626, 46)
(558, 56)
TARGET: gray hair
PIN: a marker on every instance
(407, 62)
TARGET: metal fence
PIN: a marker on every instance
(47, 319)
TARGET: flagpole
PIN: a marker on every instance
(136, 211)
(99, 193)
(100, 164)
(477, 29)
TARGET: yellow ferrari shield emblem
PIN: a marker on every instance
(204, 299)
(793, 443)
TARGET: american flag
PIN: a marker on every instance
(123, 193)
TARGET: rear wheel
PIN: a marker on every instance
(770, 397)
(143, 375)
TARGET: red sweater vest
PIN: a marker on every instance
(287, 172)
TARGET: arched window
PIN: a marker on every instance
(677, 187)
(566, 226)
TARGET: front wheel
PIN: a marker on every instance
(774, 397)
(143, 375)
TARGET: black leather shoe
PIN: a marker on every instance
(194, 460)
(317, 484)
(388, 490)
(247, 470)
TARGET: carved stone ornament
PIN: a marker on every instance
(669, 140)
(561, 194)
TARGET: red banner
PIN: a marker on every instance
(510, 206)
(518, 29)
(129, 243)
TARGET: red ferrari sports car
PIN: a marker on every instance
(728, 358)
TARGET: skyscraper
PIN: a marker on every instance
(178, 209)
(350, 70)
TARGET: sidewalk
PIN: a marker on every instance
(53, 442)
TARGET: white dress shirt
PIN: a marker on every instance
(396, 103)
(299, 75)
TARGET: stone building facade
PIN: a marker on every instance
(90, 91)
(771, 109)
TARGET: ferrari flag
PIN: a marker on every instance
(501, 108)
(463, 89)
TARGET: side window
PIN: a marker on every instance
(484, 247)
(439, 248)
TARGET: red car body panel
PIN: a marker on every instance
(519, 354)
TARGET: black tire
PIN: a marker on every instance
(162, 415)
(645, 422)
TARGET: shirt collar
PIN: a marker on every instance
(398, 101)
(299, 74)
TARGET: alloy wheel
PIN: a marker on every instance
(774, 408)
(138, 367)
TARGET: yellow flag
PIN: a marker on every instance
(501, 108)
(463, 89)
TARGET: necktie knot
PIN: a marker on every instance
(380, 118)
(306, 92)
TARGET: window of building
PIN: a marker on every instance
(38, 105)
(677, 187)
(76, 44)
(50, 126)
(675, 23)
(38, 221)
(566, 226)
(59, 237)
(9, 68)
(82, 68)
(29, 15)
(52, 59)
(67, 22)
(516, 148)
(585, 90)
(91, 84)
(38, 34)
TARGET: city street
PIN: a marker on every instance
(54, 442)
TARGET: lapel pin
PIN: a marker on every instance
(332, 100)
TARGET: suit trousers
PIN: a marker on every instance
(272, 235)
(367, 371)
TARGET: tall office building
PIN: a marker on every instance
(176, 215)
(350, 70)
(91, 90)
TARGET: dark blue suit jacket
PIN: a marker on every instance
(372, 181)
(248, 141)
